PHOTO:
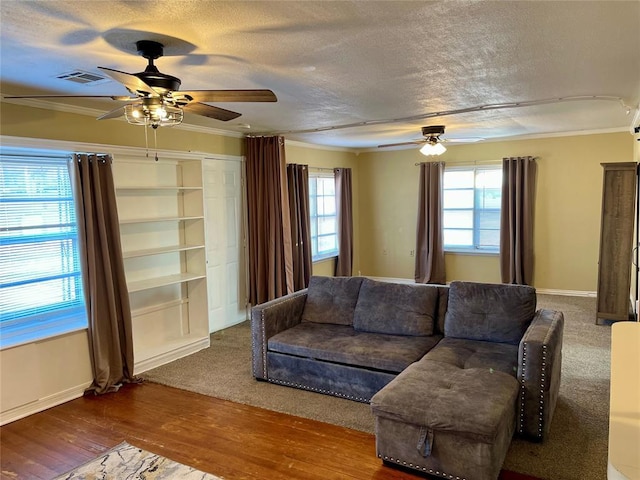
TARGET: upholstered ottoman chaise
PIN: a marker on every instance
(443, 420)
(453, 413)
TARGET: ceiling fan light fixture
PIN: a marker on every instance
(432, 148)
(153, 114)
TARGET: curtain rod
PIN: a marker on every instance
(420, 163)
(465, 164)
(319, 169)
(18, 155)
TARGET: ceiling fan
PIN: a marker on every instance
(432, 141)
(156, 100)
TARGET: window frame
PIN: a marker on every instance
(313, 216)
(35, 323)
(474, 249)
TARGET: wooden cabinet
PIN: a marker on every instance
(616, 241)
(162, 228)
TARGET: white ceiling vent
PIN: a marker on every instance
(79, 76)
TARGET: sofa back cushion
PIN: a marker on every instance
(396, 309)
(331, 300)
(489, 312)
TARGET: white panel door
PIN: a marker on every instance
(225, 251)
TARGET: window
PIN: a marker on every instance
(40, 278)
(471, 209)
(323, 216)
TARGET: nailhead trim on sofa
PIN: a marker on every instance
(522, 389)
(421, 468)
(319, 390)
(542, 386)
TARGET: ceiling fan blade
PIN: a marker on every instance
(462, 140)
(228, 95)
(113, 113)
(211, 112)
(112, 97)
(133, 83)
(416, 142)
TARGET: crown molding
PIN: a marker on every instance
(94, 112)
(32, 145)
(296, 143)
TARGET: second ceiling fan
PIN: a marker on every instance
(432, 141)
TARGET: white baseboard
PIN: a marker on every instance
(170, 356)
(542, 291)
(78, 391)
(392, 279)
(568, 293)
(230, 324)
(43, 404)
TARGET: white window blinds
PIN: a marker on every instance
(40, 277)
(323, 216)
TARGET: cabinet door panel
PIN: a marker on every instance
(225, 252)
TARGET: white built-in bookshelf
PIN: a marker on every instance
(162, 229)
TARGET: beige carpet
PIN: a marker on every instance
(577, 445)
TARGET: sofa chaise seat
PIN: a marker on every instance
(465, 419)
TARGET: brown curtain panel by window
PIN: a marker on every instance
(429, 242)
(344, 199)
(298, 186)
(105, 288)
(516, 220)
(270, 250)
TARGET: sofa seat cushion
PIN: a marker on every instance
(489, 312)
(342, 344)
(331, 300)
(395, 308)
(473, 402)
(495, 357)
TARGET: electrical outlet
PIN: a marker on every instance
(412, 253)
(384, 251)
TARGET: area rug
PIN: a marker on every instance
(575, 450)
(126, 462)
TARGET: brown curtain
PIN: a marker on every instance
(298, 186)
(516, 220)
(344, 206)
(270, 250)
(105, 288)
(429, 241)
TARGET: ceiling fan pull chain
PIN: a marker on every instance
(146, 140)
(155, 141)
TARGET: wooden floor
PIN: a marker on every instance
(227, 439)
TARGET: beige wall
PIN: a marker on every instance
(567, 209)
(330, 158)
(21, 121)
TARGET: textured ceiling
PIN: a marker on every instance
(333, 64)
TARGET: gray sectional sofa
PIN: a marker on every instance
(451, 372)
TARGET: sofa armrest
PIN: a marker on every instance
(539, 366)
(270, 318)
